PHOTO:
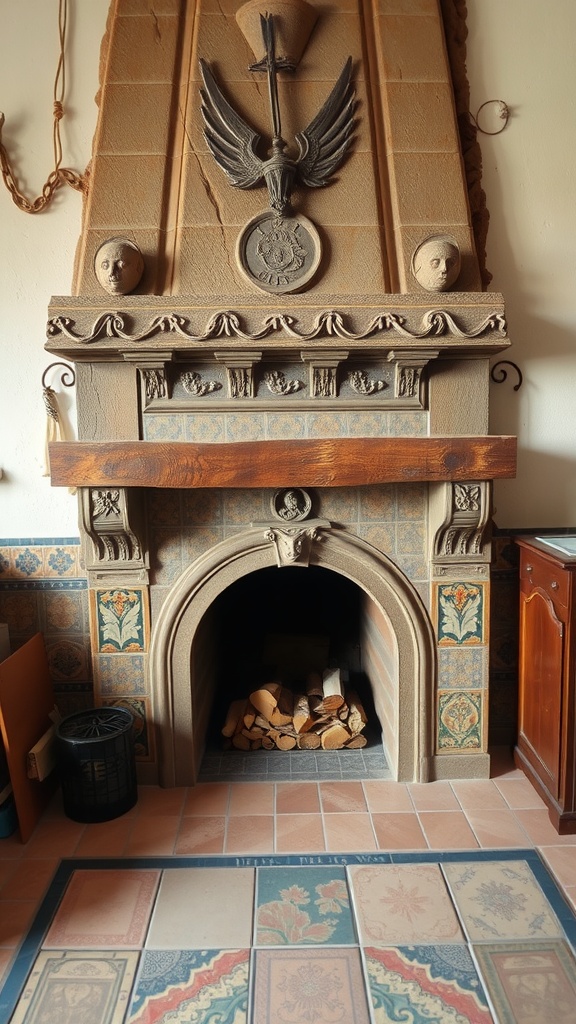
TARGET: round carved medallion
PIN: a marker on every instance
(279, 254)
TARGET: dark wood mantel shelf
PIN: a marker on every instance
(334, 462)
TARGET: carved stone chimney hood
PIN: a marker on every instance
(305, 343)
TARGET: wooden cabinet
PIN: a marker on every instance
(546, 745)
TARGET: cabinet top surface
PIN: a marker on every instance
(561, 548)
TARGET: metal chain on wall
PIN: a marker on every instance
(59, 175)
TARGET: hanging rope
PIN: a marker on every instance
(59, 175)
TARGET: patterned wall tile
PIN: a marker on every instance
(64, 612)
(164, 427)
(27, 563)
(165, 555)
(461, 720)
(121, 620)
(412, 501)
(462, 668)
(411, 538)
(408, 424)
(381, 536)
(20, 610)
(120, 674)
(245, 506)
(368, 424)
(327, 424)
(68, 660)
(378, 503)
(196, 542)
(202, 506)
(338, 504)
(461, 613)
(205, 428)
(283, 426)
(245, 427)
(164, 507)
(62, 562)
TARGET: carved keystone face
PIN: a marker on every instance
(118, 266)
(436, 264)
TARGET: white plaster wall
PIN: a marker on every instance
(523, 51)
(37, 251)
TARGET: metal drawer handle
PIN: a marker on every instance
(554, 585)
(529, 568)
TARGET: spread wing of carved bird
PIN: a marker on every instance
(322, 146)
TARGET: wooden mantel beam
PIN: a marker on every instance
(333, 462)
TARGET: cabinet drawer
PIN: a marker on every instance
(553, 580)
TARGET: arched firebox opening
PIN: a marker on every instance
(290, 628)
(370, 603)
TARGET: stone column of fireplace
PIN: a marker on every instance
(196, 354)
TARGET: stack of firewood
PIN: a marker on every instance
(275, 717)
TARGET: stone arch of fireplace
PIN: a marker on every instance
(182, 704)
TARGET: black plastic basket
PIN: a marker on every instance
(96, 757)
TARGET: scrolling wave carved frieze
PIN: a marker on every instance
(227, 324)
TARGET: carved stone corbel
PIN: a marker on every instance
(293, 545)
(323, 371)
(408, 372)
(113, 536)
(240, 371)
(152, 373)
(466, 514)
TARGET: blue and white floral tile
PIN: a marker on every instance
(303, 906)
(92, 986)
(529, 982)
(425, 985)
(309, 986)
(122, 623)
(403, 904)
(500, 900)
(461, 613)
(181, 986)
(62, 562)
(461, 720)
(285, 426)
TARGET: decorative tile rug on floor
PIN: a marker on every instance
(442, 938)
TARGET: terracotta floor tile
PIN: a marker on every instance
(478, 794)
(154, 837)
(540, 829)
(502, 764)
(11, 848)
(54, 837)
(497, 828)
(349, 833)
(519, 792)
(447, 830)
(104, 909)
(562, 861)
(342, 796)
(299, 833)
(207, 798)
(30, 879)
(154, 800)
(400, 831)
(387, 797)
(252, 798)
(297, 798)
(106, 838)
(201, 834)
(250, 833)
(433, 796)
(15, 918)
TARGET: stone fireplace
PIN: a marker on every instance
(203, 399)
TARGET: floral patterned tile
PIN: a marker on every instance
(401, 904)
(529, 982)
(436, 984)
(88, 986)
(303, 906)
(104, 909)
(501, 900)
(309, 986)
(191, 985)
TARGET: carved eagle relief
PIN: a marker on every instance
(322, 146)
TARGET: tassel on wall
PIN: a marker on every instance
(56, 428)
